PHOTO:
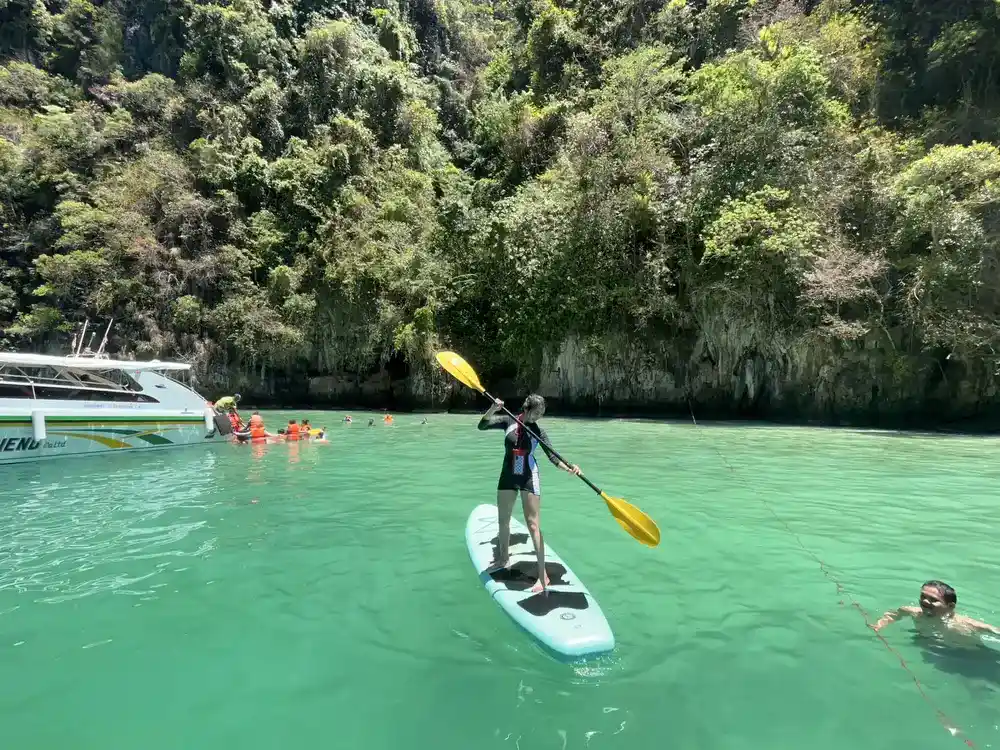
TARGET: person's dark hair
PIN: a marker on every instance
(534, 401)
(948, 595)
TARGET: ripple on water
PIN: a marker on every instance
(60, 538)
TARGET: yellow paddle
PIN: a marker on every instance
(633, 520)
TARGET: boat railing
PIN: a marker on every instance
(183, 382)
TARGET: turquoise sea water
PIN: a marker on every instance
(321, 595)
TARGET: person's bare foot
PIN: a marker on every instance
(496, 565)
(538, 585)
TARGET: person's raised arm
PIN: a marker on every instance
(490, 420)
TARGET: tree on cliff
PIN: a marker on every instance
(315, 187)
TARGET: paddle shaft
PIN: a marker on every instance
(552, 450)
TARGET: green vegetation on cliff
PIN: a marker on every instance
(763, 206)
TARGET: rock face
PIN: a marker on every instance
(816, 379)
(718, 373)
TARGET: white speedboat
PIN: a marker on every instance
(86, 404)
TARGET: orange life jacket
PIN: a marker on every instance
(292, 432)
(257, 433)
(235, 422)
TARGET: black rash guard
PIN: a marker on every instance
(520, 469)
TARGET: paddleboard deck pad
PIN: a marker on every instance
(567, 620)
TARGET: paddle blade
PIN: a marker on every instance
(640, 526)
(459, 369)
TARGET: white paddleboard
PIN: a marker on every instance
(568, 620)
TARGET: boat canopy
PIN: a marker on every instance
(87, 363)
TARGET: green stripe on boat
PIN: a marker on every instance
(155, 439)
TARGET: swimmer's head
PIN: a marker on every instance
(937, 598)
(533, 407)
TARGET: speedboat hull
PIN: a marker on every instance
(72, 435)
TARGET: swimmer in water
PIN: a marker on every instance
(936, 616)
(371, 422)
(951, 642)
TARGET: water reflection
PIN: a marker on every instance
(977, 661)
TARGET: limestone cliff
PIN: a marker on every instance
(718, 372)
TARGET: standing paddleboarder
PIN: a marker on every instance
(520, 474)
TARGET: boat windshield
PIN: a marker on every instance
(67, 384)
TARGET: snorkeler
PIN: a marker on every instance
(936, 612)
(519, 473)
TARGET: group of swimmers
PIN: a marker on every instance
(386, 419)
(254, 431)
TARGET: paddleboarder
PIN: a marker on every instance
(519, 473)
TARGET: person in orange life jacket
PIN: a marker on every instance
(292, 431)
(255, 431)
(258, 433)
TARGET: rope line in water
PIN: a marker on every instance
(842, 590)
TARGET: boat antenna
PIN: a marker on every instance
(76, 352)
(104, 341)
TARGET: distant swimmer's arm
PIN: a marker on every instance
(490, 421)
(894, 615)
